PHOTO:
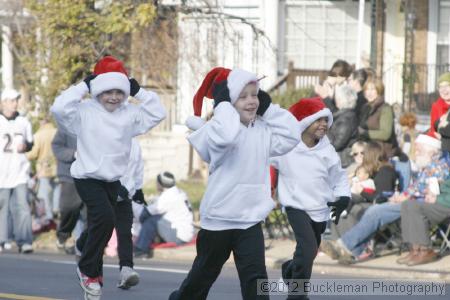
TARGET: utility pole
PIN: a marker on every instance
(377, 9)
(408, 66)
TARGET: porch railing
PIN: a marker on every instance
(298, 79)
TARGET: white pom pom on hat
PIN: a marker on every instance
(194, 122)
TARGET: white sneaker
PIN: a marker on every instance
(26, 248)
(91, 297)
(60, 245)
(91, 286)
(128, 278)
(282, 286)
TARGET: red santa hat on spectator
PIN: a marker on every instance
(111, 74)
(237, 79)
(308, 110)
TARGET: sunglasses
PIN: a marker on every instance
(357, 153)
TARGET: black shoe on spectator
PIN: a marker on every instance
(139, 253)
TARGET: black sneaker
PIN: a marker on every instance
(139, 253)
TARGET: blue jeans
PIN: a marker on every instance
(4, 208)
(20, 211)
(149, 229)
(47, 192)
(374, 217)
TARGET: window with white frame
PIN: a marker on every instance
(442, 49)
(317, 33)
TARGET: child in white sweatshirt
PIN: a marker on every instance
(104, 127)
(244, 132)
(309, 179)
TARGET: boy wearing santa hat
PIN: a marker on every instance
(244, 132)
(309, 179)
(104, 127)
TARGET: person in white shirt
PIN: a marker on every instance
(245, 131)
(169, 216)
(16, 138)
(104, 127)
(310, 177)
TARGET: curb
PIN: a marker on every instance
(358, 270)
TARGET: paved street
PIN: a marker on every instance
(52, 276)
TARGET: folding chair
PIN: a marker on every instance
(276, 226)
(440, 234)
(388, 237)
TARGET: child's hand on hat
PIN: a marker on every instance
(221, 93)
(134, 87)
(264, 102)
(88, 80)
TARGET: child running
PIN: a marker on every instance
(237, 142)
(104, 127)
(309, 179)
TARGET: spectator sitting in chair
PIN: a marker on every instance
(351, 246)
(169, 216)
(417, 217)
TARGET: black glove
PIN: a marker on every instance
(264, 102)
(138, 197)
(221, 93)
(134, 87)
(338, 207)
(88, 79)
(123, 193)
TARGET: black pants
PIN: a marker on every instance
(70, 206)
(124, 221)
(213, 250)
(100, 199)
(308, 237)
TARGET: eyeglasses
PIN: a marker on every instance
(358, 153)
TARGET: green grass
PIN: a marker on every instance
(194, 190)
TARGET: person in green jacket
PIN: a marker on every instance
(377, 118)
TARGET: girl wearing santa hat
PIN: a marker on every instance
(104, 127)
(244, 132)
(309, 179)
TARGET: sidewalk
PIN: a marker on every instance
(382, 267)
(281, 250)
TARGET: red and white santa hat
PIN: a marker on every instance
(428, 140)
(237, 79)
(308, 110)
(111, 74)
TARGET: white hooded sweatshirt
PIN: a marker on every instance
(104, 138)
(238, 192)
(133, 179)
(308, 178)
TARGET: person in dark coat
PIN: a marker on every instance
(357, 80)
(344, 131)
